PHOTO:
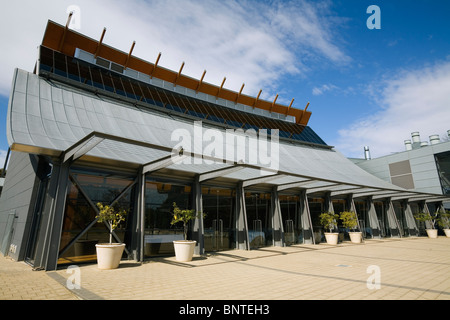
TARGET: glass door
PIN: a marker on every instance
(291, 218)
(159, 199)
(219, 220)
(259, 214)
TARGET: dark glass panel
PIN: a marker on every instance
(159, 199)
(258, 208)
(219, 220)
(85, 190)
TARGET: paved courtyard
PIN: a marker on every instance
(393, 269)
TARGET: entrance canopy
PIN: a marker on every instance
(53, 119)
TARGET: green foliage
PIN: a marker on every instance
(111, 216)
(349, 219)
(184, 216)
(444, 219)
(425, 216)
(328, 220)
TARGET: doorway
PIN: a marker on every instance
(219, 220)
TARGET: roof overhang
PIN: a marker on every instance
(66, 125)
(66, 41)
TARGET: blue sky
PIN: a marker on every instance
(365, 87)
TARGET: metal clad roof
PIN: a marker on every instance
(53, 117)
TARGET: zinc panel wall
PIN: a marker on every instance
(17, 197)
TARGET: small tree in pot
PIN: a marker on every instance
(184, 249)
(444, 222)
(328, 221)
(429, 218)
(109, 254)
(350, 221)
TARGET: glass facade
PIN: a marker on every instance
(259, 218)
(80, 230)
(87, 187)
(382, 219)
(219, 207)
(167, 101)
(292, 223)
(363, 219)
(443, 167)
(159, 200)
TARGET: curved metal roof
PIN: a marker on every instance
(51, 118)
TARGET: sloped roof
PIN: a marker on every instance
(51, 118)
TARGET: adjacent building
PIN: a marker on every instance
(95, 124)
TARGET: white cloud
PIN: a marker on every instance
(415, 100)
(249, 42)
(317, 91)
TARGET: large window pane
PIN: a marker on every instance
(159, 199)
(258, 207)
(85, 190)
(219, 220)
(290, 213)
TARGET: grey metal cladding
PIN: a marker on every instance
(72, 114)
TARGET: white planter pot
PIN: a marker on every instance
(184, 250)
(355, 237)
(109, 255)
(332, 238)
(447, 233)
(432, 233)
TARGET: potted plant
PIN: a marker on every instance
(184, 249)
(328, 220)
(431, 219)
(350, 221)
(109, 254)
(444, 222)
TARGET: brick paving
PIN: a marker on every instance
(407, 269)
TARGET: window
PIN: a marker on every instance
(80, 230)
(102, 62)
(159, 199)
(443, 167)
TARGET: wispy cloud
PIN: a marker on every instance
(414, 100)
(317, 91)
(252, 42)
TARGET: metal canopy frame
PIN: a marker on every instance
(303, 182)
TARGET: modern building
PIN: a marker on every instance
(423, 166)
(95, 124)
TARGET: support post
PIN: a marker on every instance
(242, 240)
(305, 216)
(47, 253)
(198, 229)
(277, 224)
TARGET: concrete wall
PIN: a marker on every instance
(17, 197)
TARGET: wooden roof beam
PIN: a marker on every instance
(129, 54)
(221, 86)
(257, 98)
(178, 75)
(239, 94)
(61, 42)
(273, 103)
(154, 66)
(289, 108)
(100, 43)
(200, 82)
